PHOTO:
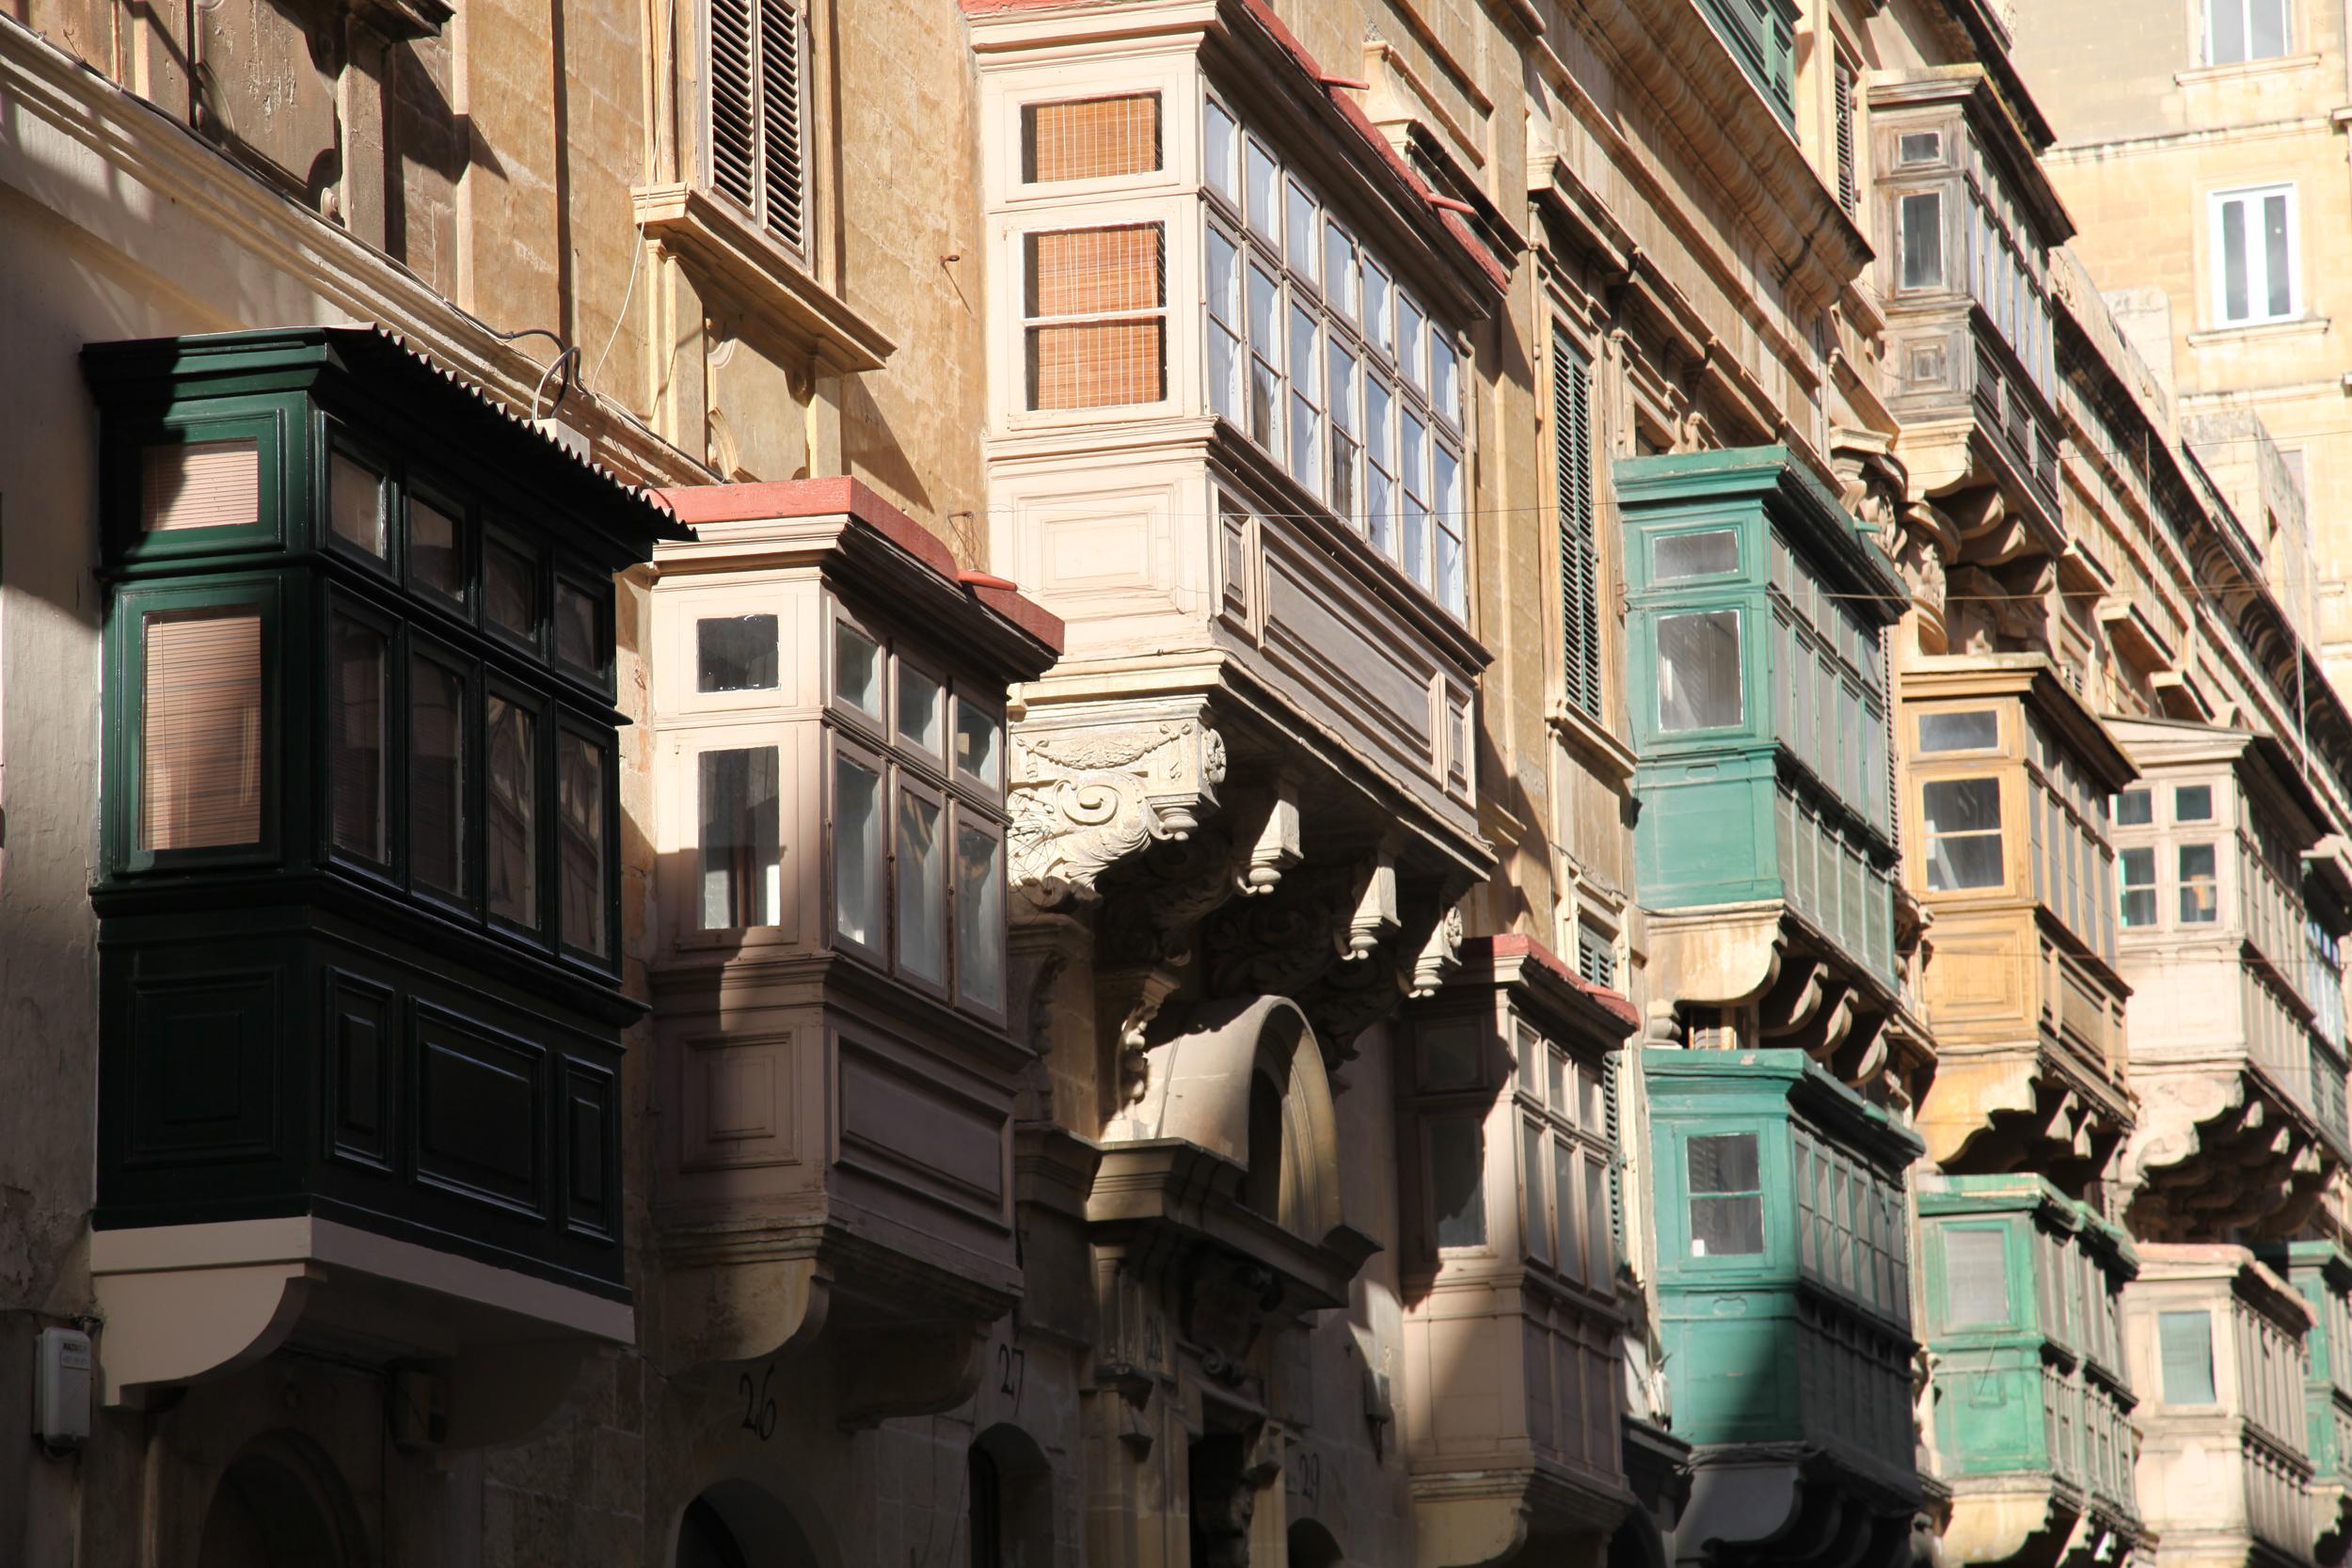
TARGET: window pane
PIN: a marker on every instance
(200, 484)
(2134, 808)
(2277, 273)
(579, 841)
(2192, 803)
(1601, 1259)
(1564, 1181)
(1725, 1162)
(510, 845)
(1413, 444)
(1264, 183)
(1093, 139)
(1726, 1227)
(742, 853)
(857, 852)
(922, 890)
(1339, 269)
(435, 557)
(511, 590)
(2234, 294)
(1923, 240)
(200, 755)
(1221, 136)
(2267, 29)
(354, 504)
(2184, 1340)
(1302, 251)
(857, 670)
(1538, 1231)
(1451, 588)
(1445, 376)
(1408, 338)
(436, 776)
(736, 653)
(1694, 555)
(576, 640)
(1096, 272)
(979, 918)
(1457, 1180)
(921, 698)
(1698, 670)
(357, 755)
(1976, 731)
(1376, 294)
(2227, 19)
(1975, 1277)
(2139, 886)
(975, 742)
(1963, 823)
(2201, 903)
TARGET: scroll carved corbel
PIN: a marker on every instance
(1084, 798)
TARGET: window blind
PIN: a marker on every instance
(200, 768)
(1101, 272)
(2184, 1341)
(1091, 139)
(756, 155)
(200, 484)
(1580, 555)
(1849, 186)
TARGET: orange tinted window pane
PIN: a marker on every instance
(200, 758)
(1092, 139)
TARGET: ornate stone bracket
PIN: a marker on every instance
(1085, 797)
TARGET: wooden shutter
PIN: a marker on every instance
(734, 128)
(200, 484)
(200, 763)
(756, 153)
(1580, 558)
(1091, 138)
(1849, 186)
(781, 179)
(1096, 273)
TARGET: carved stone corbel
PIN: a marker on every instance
(1086, 797)
(1440, 955)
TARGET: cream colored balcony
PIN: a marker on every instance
(2236, 1012)
(1510, 1397)
(2006, 777)
(2216, 1342)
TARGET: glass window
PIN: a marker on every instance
(2184, 1341)
(2241, 30)
(436, 776)
(742, 852)
(979, 918)
(735, 652)
(1919, 147)
(1345, 442)
(1978, 730)
(1457, 1180)
(1224, 264)
(977, 735)
(1445, 376)
(580, 842)
(1923, 240)
(1376, 296)
(358, 754)
(354, 504)
(1564, 1164)
(1094, 299)
(1975, 1277)
(1600, 1252)
(922, 889)
(2253, 247)
(436, 551)
(511, 847)
(1453, 588)
(1221, 138)
(1963, 823)
(1380, 463)
(201, 735)
(2192, 803)
(511, 589)
(200, 484)
(1266, 359)
(1727, 1196)
(1409, 338)
(2134, 808)
(2201, 897)
(1538, 1222)
(1339, 268)
(1092, 139)
(857, 851)
(1302, 251)
(1694, 555)
(1306, 413)
(1698, 671)
(1264, 180)
(1413, 528)
(2140, 887)
(576, 640)
(857, 670)
(921, 701)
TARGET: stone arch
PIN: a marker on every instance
(1312, 1546)
(282, 1504)
(1011, 1500)
(738, 1523)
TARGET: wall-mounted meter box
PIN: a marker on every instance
(61, 1387)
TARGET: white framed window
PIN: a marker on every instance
(757, 113)
(1094, 313)
(2241, 30)
(2256, 273)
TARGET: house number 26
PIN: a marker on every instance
(759, 1410)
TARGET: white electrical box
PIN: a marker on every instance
(61, 1376)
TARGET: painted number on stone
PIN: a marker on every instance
(759, 1410)
(1012, 1366)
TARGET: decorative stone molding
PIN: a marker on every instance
(1440, 955)
(1086, 797)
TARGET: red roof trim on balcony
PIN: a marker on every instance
(1512, 946)
(1335, 89)
(844, 496)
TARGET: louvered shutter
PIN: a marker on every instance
(1580, 562)
(1849, 186)
(733, 129)
(781, 180)
(757, 155)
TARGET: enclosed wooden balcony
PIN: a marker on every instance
(1783, 1302)
(2217, 1342)
(2033, 1429)
(2322, 1275)
(1511, 1398)
(361, 1045)
(2006, 782)
(2229, 942)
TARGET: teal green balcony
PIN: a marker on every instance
(2320, 1273)
(2023, 1303)
(1784, 1291)
(1758, 701)
(1762, 37)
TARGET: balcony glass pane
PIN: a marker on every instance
(1963, 823)
(857, 670)
(857, 852)
(2184, 1341)
(576, 628)
(435, 558)
(1975, 1277)
(1698, 671)
(2192, 803)
(436, 773)
(1727, 1198)
(1339, 269)
(742, 853)
(2140, 887)
(201, 765)
(1220, 138)
(922, 890)
(1564, 1185)
(1263, 179)
(1538, 1214)
(511, 589)
(1978, 730)
(580, 842)
(976, 733)
(357, 752)
(510, 841)
(1695, 554)
(1923, 240)
(920, 701)
(1457, 1180)
(1376, 302)
(980, 918)
(2201, 901)
(1302, 252)
(354, 504)
(2134, 808)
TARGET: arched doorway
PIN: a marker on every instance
(280, 1505)
(739, 1524)
(1314, 1547)
(1011, 1494)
